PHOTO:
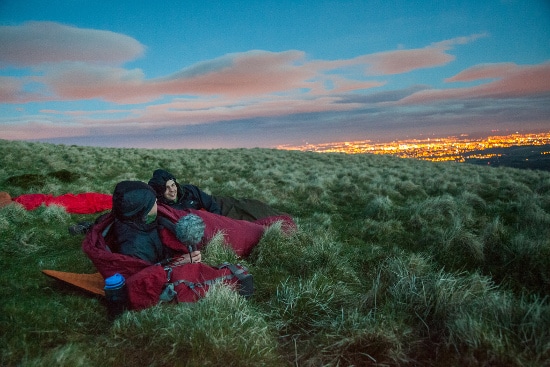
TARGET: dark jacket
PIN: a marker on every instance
(141, 241)
(189, 196)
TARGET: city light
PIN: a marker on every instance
(433, 149)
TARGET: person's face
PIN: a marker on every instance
(171, 192)
(153, 210)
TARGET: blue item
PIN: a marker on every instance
(116, 294)
(114, 281)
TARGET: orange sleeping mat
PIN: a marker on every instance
(92, 283)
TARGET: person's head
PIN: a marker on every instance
(134, 201)
(165, 185)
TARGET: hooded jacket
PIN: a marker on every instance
(132, 201)
(189, 196)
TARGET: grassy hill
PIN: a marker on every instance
(395, 262)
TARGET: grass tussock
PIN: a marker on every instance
(395, 262)
(221, 329)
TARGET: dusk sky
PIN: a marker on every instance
(225, 74)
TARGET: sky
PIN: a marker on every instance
(243, 74)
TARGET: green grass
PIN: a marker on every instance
(396, 262)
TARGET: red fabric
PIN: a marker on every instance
(84, 203)
(145, 282)
(241, 235)
(197, 273)
(145, 287)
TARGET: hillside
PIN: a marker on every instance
(524, 157)
(395, 262)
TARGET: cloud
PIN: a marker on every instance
(486, 71)
(508, 80)
(232, 76)
(36, 43)
(243, 74)
(404, 61)
(82, 64)
(257, 90)
(77, 81)
(9, 88)
(41, 127)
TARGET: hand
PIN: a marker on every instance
(195, 256)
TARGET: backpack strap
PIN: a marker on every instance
(245, 279)
(237, 271)
(210, 282)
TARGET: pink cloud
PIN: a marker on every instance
(245, 74)
(186, 113)
(79, 67)
(236, 86)
(76, 113)
(22, 90)
(36, 43)
(180, 112)
(512, 81)
(10, 88)
(486, 71)
(40, 128)
(238, 75)
(404, 61)
(74, 81)
(399, 61)
(191, 112)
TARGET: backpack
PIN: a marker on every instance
(184, 283)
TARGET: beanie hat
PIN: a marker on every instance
(133, 200)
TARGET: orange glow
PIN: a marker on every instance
(438, 149)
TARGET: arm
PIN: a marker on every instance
(204, 200)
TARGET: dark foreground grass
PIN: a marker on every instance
(395, 263)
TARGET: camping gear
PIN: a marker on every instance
(80, 228)
(91, 283)
(84, 203)
(146, 283)
(5, 199)
(184, 283)
(116, 294)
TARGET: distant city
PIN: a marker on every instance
(452, 148)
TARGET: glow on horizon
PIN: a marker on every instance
(245, 74)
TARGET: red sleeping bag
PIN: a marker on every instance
(241, 235)
(84, 203)
(147, 282)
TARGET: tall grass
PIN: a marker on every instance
(395, 262)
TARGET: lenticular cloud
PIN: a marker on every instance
(35, 43)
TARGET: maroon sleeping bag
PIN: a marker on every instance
(146, 282)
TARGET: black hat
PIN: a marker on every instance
(133, 200)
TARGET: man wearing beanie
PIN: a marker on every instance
(170, 192)
(187, 196)
(135, 227)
